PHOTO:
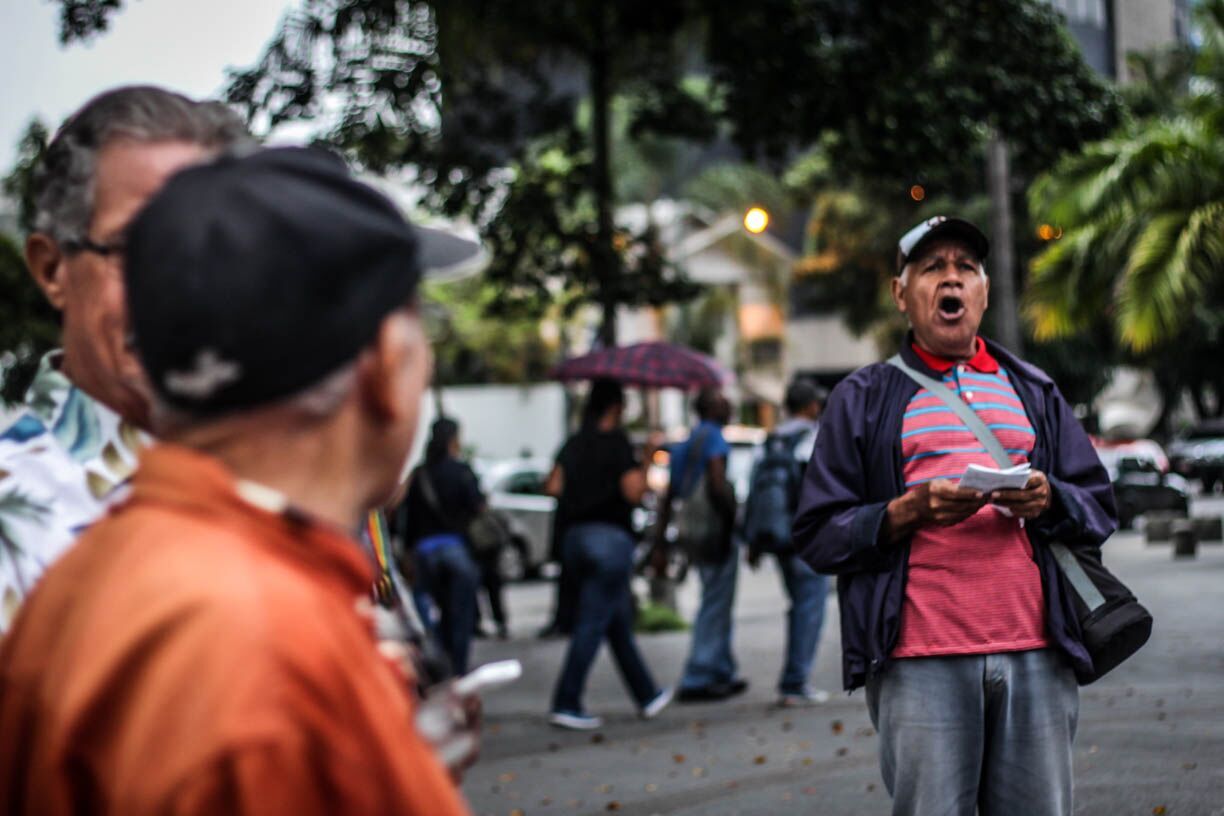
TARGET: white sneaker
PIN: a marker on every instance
(805, 699)
(660, 702)
(574, 722)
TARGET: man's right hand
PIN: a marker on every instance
(939, 503)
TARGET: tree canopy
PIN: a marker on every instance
(1141, 218)
(28, 324)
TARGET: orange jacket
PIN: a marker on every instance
(195, 654)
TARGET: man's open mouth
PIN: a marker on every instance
(951, 307)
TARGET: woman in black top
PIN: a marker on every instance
(598, 482)
(443, 497)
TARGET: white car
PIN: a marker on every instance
(515, 490)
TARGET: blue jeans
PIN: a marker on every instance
(710, 659)
(600, 559)
(451, 577)
(807, 590)
(984, 733)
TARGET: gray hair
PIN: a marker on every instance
(315, 402)
(64, 185)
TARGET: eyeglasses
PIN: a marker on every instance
(115, 249)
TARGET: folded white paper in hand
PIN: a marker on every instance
(987, 480)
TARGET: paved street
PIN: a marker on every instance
(1151, 736)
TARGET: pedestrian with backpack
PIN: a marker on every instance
(772, 498)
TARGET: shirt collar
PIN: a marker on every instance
(50, 388)
(191, 481)
(981, 361)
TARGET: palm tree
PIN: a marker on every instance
(1142, 215)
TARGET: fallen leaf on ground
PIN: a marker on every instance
(760, 760)
(678, 758)
(506, 777)
(613, 805)
(838, 727)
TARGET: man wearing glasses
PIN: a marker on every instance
(66, 454)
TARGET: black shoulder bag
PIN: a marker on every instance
(485, 533)
(1114, 625)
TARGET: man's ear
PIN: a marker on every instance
(45, 260)
(390, 365)
(898, 294)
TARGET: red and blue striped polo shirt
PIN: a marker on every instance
(972, 588)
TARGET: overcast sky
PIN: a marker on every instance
(185, 45)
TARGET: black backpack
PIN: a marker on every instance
(773, 494)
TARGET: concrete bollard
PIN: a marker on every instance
(1158, 527)
(1209, 528)
(1185, 542)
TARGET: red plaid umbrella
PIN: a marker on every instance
(649, 365)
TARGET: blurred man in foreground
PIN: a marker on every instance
(208, 647)
(68, 452)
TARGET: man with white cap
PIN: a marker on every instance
(952, 610)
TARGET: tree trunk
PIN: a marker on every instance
(603, 258)
(1002, 262)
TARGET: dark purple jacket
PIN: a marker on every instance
(856, 470)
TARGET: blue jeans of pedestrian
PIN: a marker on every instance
(808, 591)
(451, 577)
(710, 659)
(989, 734)
(600, 558)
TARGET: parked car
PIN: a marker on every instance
(1142, 482)
(1199, 454)
(515, 488)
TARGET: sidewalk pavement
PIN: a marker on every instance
(1151, 738)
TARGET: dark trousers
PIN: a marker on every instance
(600, 558)
(451, 577)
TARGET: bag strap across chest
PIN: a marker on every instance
(1067, 562)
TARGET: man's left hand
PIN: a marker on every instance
(1028, 503)
(450, 722)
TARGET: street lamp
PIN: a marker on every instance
(756, 220)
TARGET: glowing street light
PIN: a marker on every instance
(756, 220)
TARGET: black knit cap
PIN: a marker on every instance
(251, 278)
